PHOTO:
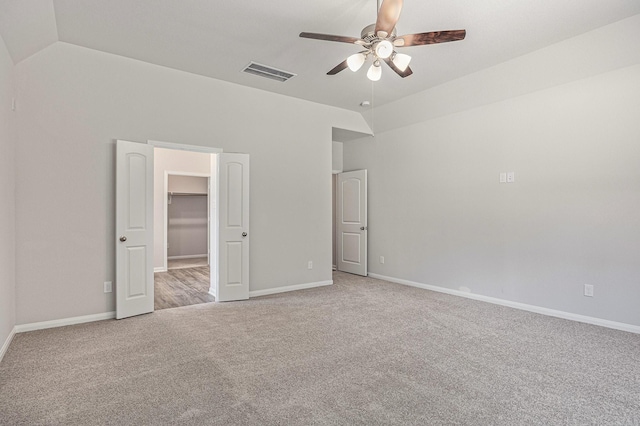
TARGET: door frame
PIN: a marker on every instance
(150, 200)
(165, 196)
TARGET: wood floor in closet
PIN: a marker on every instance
(182, 287)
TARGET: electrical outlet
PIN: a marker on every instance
(108, 286)
(588, 290)
(381, 259)
(310, 264)
(511, 177)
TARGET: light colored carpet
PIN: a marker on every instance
(361, 351)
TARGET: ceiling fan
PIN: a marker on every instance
(379, 41)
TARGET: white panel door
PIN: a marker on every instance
(134, 229)
(233, 230)
(352, 222)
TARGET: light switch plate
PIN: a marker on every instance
(503, 178)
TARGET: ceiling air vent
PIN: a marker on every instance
(268, 72)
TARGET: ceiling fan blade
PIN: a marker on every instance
(388, 16)
(432, 37)
(341, 66)
(329, 37)
(406, 73)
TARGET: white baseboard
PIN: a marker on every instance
(64, 321)
(522, 306)
(189, 256)
(6, 343)
(284, 289)
(159, 269)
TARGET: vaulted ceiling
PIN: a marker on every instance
(218, 38)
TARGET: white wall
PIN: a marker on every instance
(170, 161)
(439, 215)
(337, 155)
(337, 166)
(189, 184)
(75, 102)
(7, 198)
(334, 194)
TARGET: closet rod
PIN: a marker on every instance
(197, 194)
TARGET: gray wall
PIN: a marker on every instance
(187, 227)
(439, 215)
(75, 102)
(187, 217)
(7, 198)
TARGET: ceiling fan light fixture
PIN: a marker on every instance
(384, 49)
(355, 61)
(375, 71)
(401, 61)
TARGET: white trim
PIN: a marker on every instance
(63, 322)
(7, 342)
(184, 147)
(189, 256)
(287, 288)
(516, 305)
(159, 269)
(334, 267)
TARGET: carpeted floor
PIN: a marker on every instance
(360, 352)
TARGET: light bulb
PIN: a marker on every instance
(401, 61)
(355, 61)
(384, 49)
(375, 71)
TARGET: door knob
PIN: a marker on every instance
(123, 238)
(363, 228)
(244, 234)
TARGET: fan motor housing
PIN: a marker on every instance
(369, 35)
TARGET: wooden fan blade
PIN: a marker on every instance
(406, 73)
(341, 66)
(432, 37)
(388, 15)
(329, 37)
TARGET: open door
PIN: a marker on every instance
(134, 229)
(233, 228)
(352, 222)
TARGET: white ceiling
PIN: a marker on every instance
(218, 38)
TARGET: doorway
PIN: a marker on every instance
(141, 202)
(350, 222)
(188, 250)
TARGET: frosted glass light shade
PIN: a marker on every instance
(375, 72)
(384, 49)
(355, 61)
(401, 61)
